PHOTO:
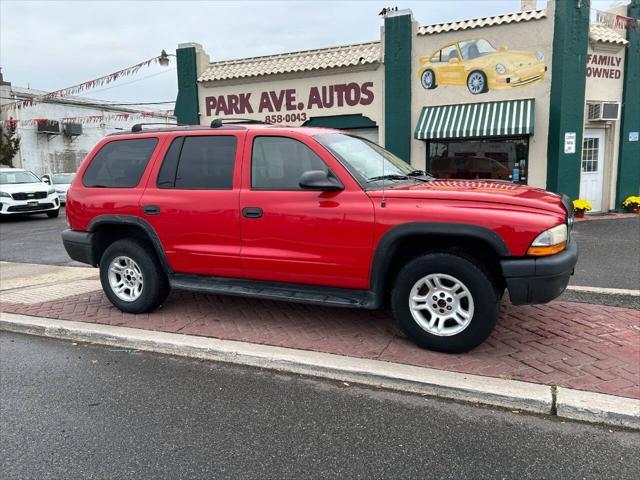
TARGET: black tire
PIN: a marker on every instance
(426, 84)
(53, 213)
(479, 286)
(485, 85)
(155, 286)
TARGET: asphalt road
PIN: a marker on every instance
(609, 255)
(80, 411)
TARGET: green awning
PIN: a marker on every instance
(488, 119)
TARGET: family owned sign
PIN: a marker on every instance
(290, 100)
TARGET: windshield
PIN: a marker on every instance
(475, 48)
(63, 178)
(18, 177)
(364, 159)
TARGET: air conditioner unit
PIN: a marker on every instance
(50, 127)
(72, 129)
(603, 111)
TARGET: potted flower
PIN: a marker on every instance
(632, 204)
(580, 206)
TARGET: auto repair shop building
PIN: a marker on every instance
(547, 98)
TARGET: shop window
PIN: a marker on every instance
(495, 158)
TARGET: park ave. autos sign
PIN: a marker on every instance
(290, 104)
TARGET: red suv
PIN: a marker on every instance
(317, 216)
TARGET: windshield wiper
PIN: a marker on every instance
(388, 177)
(397, 177)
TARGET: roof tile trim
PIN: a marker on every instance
(301, 61)
(482, 22)
(604, 34)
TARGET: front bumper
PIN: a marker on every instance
(9, 206)
(79, 246)
(539, 280)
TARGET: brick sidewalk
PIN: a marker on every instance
(576, 345)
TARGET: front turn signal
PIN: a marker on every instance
(543, 251)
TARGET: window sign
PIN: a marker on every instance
(633, 136)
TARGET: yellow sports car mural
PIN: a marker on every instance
(479, 66)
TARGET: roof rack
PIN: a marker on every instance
(218, 122)
(138, 126)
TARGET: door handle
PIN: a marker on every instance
(252, 212)
(151, 209)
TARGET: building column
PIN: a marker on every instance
(186, 109)
(397, 83)
(629, 153)
(568, 78)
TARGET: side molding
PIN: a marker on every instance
(387, 245)
(129, 220)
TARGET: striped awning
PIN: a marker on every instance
(488, 119)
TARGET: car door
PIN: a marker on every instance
(191, 201)
(451, 69)
(302, 236)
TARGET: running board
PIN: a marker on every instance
(288, 292)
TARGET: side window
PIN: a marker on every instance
(167, 174)
(120, 163)
(450, 52)
(436, 57)
(277, 163)
(205, 163)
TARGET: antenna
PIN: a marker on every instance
(384, 202)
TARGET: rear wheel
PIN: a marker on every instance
(445, 302)
(132, 278)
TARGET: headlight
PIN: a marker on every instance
(539, 56)
(5, 194)
(501, 69)
(50, 191)
(549, 242)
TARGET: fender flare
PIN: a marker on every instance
(388, 244)
(130, 220)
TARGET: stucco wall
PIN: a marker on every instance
(297, 106)
(44, 154)
(534, 35)
(605, 81)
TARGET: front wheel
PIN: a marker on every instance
(53, 213)
(477, 82)
(132, 277)
(445, 302)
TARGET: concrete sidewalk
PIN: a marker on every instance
(573, 345)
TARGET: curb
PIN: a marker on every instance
(512, 394)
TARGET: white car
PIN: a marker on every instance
(23, 192)
(61, 183)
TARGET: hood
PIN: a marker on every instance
(512, 58)
(24, 187)
(488, 191)
(61, 187)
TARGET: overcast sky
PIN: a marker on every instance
(54, 44)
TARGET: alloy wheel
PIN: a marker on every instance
(441, 304)
(125, 278)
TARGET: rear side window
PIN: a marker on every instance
(199, 163)
(120, 164)
(277, 163)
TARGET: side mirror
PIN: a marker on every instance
(454, 60)
(46, 179)
(319, 180)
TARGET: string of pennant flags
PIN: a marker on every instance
(615, 21)
(115, 117)
(81, 87)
